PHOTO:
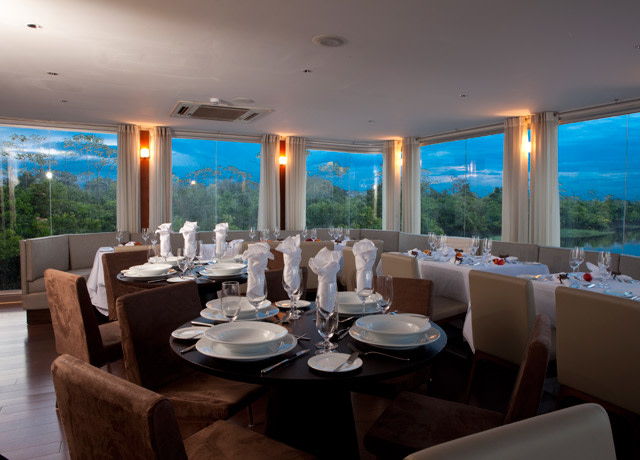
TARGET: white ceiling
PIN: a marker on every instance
(400, 74)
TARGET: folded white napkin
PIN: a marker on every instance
(292, 255)
(130, 243)
(164, 230)
(221, 238)
(364, 252)
(326, 265)
(624, 278)
(417, 253)
(188, 231)
(257, 255)
(596, 271)
(511, 259)
(446, 252)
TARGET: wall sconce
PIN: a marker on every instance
(144, 152)
(282, 160)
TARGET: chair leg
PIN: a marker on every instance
(251, 424)
(467, 396)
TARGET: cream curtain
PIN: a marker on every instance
(269, 201)
(295, 200)
(544, 220)
(410, 185)
(391, 160)
(515, 178)
(159, 176)
(128, 192)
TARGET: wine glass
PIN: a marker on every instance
(119, 236)
(145, 235)
(230, 300)
(475, 244)
(432, 240)
(265, 235)
(384, 287)
(338, 233)
(183, 263)
(252, 233)
(577, 257)
(365, 288)
(347, 234)
(604, 261)
(304, 233)
(331, 232)
(257, 293)
(487, 245)
(326, 325)
(314, 234)
(294, 291)
(276, 232)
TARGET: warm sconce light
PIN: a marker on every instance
(144, 152)
(283, 160)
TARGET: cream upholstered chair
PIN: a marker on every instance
(75, 326)
(147, 319)
(107, 417)
(502, 314)
(414, 421)
(585, 433)
(597, 349)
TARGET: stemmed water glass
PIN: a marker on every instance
(258, 293)
(145, 235)
(304, 233)
(365, 289)
(604, 261)
(475, 244)
(487, 245)
(230, 301)
(252, 233)
(265, 235)
(276, 232)
(384, 287)
(154, 242)
(119, 236)
(294, 291)
(577, 257)
(183, 263)
(432, 240)
(314, 234)
(326, 324)
(347, 234)
(339, 233)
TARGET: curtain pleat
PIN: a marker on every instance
(269, 201)
(295, 200)
(128, 192)
(160, 164)
(391, 158)
(544, 193)
(515, 178)
(410, 185)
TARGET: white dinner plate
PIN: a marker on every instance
(217, 315)
(287, 304)
(400, 329)
(139, 277)
(191, 332)
(173, 260)
(361, 335)
(179, 279)
(217, 350)
(350, 304)
(221, 277)
(246, 309)
(328, 362)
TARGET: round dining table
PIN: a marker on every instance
(309, 409)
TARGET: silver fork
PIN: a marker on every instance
(371, 352)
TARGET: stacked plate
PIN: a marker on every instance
(350, 304)
(222, 270)
(247, 312)
(400, 332)
(172, 260)
(148, 271)
(246, 341)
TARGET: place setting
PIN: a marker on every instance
(149, 272)
(402, 331)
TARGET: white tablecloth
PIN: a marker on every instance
(95, 283)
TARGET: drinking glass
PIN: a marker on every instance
(475, 244)
(145, 235)
(304, 233)
(365, 289)
(276, 232)
(331, 232)
(258, 292)
(442, 241)
(347, 234)
(183, 263)
(314, 234)
(577, 257)
(384, 287)
(339, 233)
(230, 300)
(154, 238)
(119, 236)
(294, 291)
(326, 325)
(265, 235)
(431, 239)
(604, 261)
(252, 233)
(487, 245)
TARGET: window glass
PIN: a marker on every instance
(215, 181)
(53, 182)
(599, 172)
(461, 187)
(344, 189)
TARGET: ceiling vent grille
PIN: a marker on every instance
(217, 112)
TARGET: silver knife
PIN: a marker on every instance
(278, 364)
(352, 357)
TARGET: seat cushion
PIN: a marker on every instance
(444, 307)
(229, 441)
(413, 422)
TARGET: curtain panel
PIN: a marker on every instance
(515, 181)
(544, 208)
(269, 201)
(410, 185)
(391, 161)
(160, 164)
(128, 182)
(295, 200)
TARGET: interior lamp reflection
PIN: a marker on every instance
(144, 152)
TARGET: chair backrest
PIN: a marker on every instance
(598, 345)
(147, 319)
(75, 326)
(581, 431)
(275, 290)
(527, 391)
(107, 417)
(112, 264)
(412, 296)
(502, 313)
(348, 273)
(400, 266)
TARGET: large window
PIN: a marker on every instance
(52, 182)
(344, 189)
(215, 181)
(599, 175)
(461, 187)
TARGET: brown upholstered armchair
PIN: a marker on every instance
(113, 263)
(107, 417)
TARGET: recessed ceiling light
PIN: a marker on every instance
(306, 71)
(34, 26)
(53, 74)
(330, 41)
(62, 101)
(462, 95)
